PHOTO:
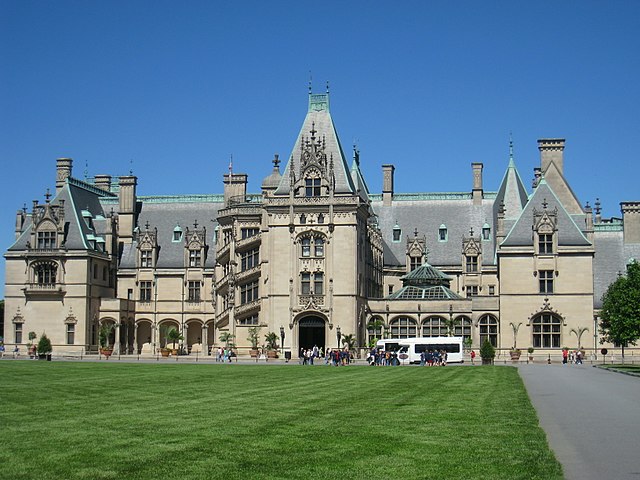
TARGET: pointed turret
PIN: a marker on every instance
(316, 146)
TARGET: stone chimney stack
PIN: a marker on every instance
(127, 210)
(63, 171)
(387, 184)
(551, 150)
(21, 216)
(631, 220)
(235, 188)
(103, 182)
(477, 191)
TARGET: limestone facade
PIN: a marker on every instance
(315, 257)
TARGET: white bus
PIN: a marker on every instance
(413, 347)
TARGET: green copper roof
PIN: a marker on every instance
(424, 293)
(425, 275)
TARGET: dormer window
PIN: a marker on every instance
(545, 243)
(312, 187)
(486, 232)
(397, 233)
(443, 233)
(177, 234)
(146, 258)
(472, 263)
(195, 258)
(47, 240)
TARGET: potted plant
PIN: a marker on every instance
(487, 352)
(272, 344)
(515, 352)
(530, 352)
(254, 338)
(174, 335)
(103, 337)
(44, 348)
(31, 347)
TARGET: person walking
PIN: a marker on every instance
(473, 357)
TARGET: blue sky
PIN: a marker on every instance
(172, 89)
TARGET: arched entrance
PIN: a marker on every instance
(311, 332)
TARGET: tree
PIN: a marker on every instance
(174, 335)
(620, 315)
(349, 341)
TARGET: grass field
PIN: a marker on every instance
(62, 420)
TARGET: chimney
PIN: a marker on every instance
(235, 188)
(387, 184)
(477, 192)
(551, 150)
(20, 219)
(63, 171)
(631, 221)
(127, 211)
(103, 182)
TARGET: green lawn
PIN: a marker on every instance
(62, 420)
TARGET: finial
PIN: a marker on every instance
(86, 170)
(131, 166)
(544, 204)
(276, 161)
(47, 195)
(313, 131)
(598, 209)
(24, 207)
(415, 232)
(195, 224)
(327, 86)
(310, 81)
(146, 225)
(510, 146)
(230, 164)
(471, 232)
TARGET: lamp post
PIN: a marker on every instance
(338, 336)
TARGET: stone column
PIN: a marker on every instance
(135, 338)
(116, 343)
(204, 340)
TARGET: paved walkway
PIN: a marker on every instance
(591, 417)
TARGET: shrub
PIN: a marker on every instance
(487, 352)
(44, 345)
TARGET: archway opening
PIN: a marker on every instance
(311, 332)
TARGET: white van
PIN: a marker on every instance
(413, 347)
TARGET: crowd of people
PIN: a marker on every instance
(333, 357)
(379, 357)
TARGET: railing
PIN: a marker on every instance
(247, 273)
(246, 242)
(247, 307)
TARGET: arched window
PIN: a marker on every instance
(434, 327)
(45, 273)
(546, 331)
(462, 328)
(403, 327)
(489, 329)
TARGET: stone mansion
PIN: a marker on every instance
(314, 257)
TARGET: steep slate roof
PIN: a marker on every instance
(568, 232)
(512, 192)
(165, 213)
(426, 213)
(318, 117)
(78, 196)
